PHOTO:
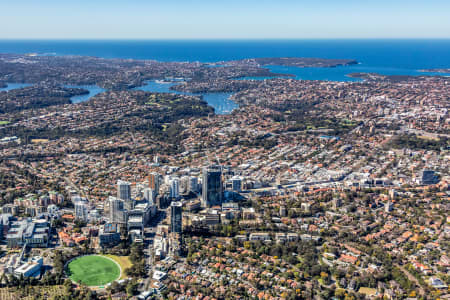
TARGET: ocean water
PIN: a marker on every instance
(385, 56)
(396, 54)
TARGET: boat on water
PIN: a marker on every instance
(162, 81)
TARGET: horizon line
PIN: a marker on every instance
(224, 39)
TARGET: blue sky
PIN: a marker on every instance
(204, 19)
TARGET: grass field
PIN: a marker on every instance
(4, 122)
(123, 261)
(93, 270)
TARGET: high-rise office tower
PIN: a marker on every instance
(429, 177)
(174, 185)
(176, 217)
(184, 185)
(149, 195)
(123, 190)
(389, 206)
(212, 192)
(236, 183)
(81, 210)
(124, 193)
(117, 213)
(153, 182)
(193, 184)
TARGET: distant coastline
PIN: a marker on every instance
(299, 62)
(445, 70)
(381, 56)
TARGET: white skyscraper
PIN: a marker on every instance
(149, 195)
(81, 210)
(117, 213)
(174, 185)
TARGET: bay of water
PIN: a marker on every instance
(93, 90)
(220, 101)
(341, 73)
(13, 86)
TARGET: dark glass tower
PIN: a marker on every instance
(175, 217)
(212, 192)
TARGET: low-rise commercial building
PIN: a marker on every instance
(109, 235)
(31, 268)
(33, 233)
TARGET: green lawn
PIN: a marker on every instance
(4, 122)
(123, 261)
(93, 270)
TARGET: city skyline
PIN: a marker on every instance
(243, 149)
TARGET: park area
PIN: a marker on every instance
(93, 270)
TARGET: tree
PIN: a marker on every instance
(68, 286)
(325, 278)
(4, 279)
(131, 288)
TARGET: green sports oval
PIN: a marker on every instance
(93, 270)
